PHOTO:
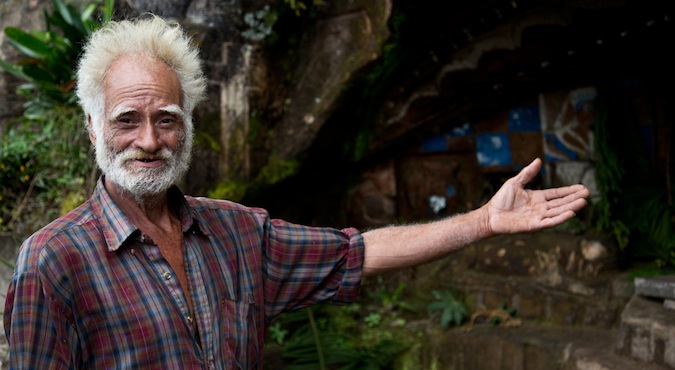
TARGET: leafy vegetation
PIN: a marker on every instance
(50, 56)
(299, 6)
(368, 334)
(44, 169)
(609, 173)
(452, 311)
(45, 157)
(273, 172)
(503, 307)
(325, 336)
(636, 205)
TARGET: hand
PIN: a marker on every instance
(514, 209)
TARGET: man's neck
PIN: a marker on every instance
(153, 209)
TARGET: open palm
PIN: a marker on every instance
(514, 209)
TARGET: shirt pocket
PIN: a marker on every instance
(237, 341)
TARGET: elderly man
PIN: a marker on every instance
(142, 276)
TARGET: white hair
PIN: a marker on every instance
(152, 36)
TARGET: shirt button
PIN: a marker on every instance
(189, 319)
(167, 275)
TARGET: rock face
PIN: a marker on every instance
(8, 252)
(245, 83)
(461, 98)
(476, 93)
(349, 37)
(568, 318)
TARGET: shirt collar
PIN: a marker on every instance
(117, 228)
(189, 220)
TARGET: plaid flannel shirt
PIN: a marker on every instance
(90, 291)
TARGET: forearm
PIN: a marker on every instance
(513, 209)
(395, 247)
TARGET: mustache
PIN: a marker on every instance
(133, 154)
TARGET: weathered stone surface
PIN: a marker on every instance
(557, 285)
(656, 286)
(454, 178)
(647, 332)
(8, 251)
(373, 200)
(345, 41)
(223, 16)
(530, 347)
(562, 329)
(481, 275)
(167, 8)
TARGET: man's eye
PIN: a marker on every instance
(124, 120)
(168, 121)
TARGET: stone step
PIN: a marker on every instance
(647, 331)
(571, 303)
(530, 347)
(546, 277)
(656, 286)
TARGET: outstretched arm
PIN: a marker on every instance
(513, 209)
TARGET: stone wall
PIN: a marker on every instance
(8, 252)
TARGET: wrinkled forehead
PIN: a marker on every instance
(137, 80)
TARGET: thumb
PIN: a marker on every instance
(528, 173)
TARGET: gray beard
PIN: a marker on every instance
(145, 185)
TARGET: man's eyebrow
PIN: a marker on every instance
(120, 111)
(173, 109)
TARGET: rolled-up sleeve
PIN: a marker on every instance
(306, 265)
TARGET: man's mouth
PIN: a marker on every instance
(151, 162)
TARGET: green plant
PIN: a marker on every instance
(277, 332)
(654, 223)
(373, 319)
(45, 157)
(609, 172)
(391, 300)
(503, 307)
(50, 56)
(275, 171)
(298, 6)
(452, 310)
(44, 169)
(636, 209)
(231, 190)
(325, 336)
(259, 23)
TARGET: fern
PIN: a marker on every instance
(452, 310)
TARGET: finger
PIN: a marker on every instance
(528, 173)
(561, 202)
(572, 206)
(557, 219)
(566, 192)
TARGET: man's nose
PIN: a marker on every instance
(148, 138)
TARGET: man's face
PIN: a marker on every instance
(144, 147)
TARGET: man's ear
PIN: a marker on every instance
(92, 137)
